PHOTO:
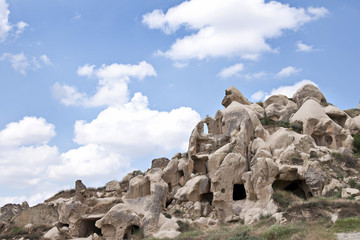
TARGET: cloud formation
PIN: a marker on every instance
(284, 90)
(22, 64)
(5, 26)
(287, 72)
(112, 89)
(227, 28)
(302, 47)
(231, 71)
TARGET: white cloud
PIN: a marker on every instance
(21, 27)
(288, 91)
(136, 130)
(258, 96)
(112, 89)
(125, 128)
(90, 160)
(287, 72)
(24, 151)
(302, 47)
(227, 28)
(32, 200)
(231, 71)
(252, 76)
(86, 70)
(5, 26)
(29, 130)
(22, 64)
(46, 60)
(77, 16)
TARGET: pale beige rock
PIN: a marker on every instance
(113, 186)
(306, 92)
(279, 108)
(350, 192)
(193, 189)
(233, 94)
(336, 114)
(53, 234)
(42, 214)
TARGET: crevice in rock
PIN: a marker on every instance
(207, 197)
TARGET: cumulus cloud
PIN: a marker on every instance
(22, 64)
(302, 47)
(112, 89)
(287, 72)
(90, 160)
(136, 130)
(24, 150)
(127, 127)
(5, 26)
(227, 28)
(231, 71)
(284, 90)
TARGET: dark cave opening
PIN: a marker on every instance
(296, 187)
(131, 230)
(207, 197)
(239, 192)
(87, 227)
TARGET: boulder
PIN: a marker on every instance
(113, 186)
(307, 92)
(159, 163)
(53, 234)
(233, 94)
(279, 108)
(193, 189)
(350, 192)
(41, 214)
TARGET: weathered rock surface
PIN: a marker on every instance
(228, 174)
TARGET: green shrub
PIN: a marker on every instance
(167, 215)
(183, 226)
(178, 213)
(346, 225)
(352, 183)
(356, 143)
(277, 232)
(261, 104)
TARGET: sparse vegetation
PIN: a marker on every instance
(261, 104)
(346, 225)
(178, 213)
(278, 232)
(184, 226)
(353, 112)
(356, 143)
(295, 127)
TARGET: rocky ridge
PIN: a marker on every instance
(235, 163)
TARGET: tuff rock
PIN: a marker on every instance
(229, 173)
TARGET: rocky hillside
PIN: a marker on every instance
(240, 166)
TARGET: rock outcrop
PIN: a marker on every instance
(230, 173)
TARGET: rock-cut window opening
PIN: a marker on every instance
(131, 230)
(239, 192)
(206, 129)
(87, 227)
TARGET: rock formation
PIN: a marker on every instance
(302, 145)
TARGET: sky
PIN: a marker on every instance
(92, 89)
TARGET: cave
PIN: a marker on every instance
(207, 197)
(87, 227)
(169, 187)
(239, 192)
(130, 231)
(296, 187)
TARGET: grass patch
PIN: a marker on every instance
(278, 232)
(348, 160)
(346, 225)
(295, 127)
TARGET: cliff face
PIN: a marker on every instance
(235, 163)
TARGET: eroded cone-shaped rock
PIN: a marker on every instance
(306, 92)
(233, 94)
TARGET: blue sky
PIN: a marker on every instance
(94, 89)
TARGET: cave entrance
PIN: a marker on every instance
(207, 197)
(131, 231)
(296, 187)
(87, 227)
(239, 192)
